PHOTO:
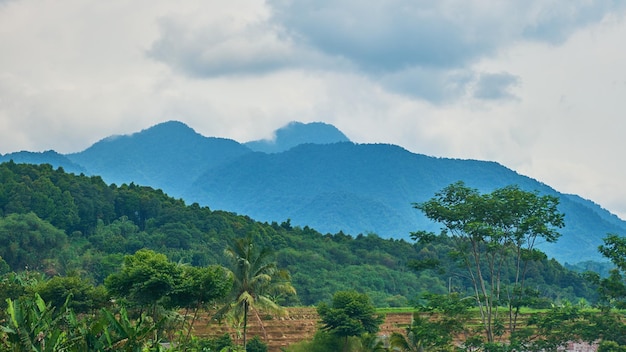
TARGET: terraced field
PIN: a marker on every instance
(300, 324)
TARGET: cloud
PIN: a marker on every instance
(438, 86)
(384, 35)
(421, 48)
(495, 86)
(555, 21)
(222, 48)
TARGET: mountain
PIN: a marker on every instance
(296, 133)
(169, 156)
(327, 183)
(48, 157)
(370, 188)
(76, 223)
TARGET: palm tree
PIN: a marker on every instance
(409, 343)
(256, 280)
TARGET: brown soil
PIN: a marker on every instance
(300, 324)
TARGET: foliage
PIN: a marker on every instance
(322, 341)
(256, 280)
(350, 314)
(26, 241)
(124, 334)
(31, 327)
(107, 222)
(256, 345)
(80, 294)
(145, 279)
(438, 321)
(198, 287)
(493, 232)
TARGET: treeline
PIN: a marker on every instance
(60, 224)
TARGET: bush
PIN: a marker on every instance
(256, 345)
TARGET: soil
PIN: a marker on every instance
(299, 324)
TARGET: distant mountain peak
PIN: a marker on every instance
(296, 133)
(169, 126)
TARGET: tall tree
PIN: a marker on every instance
(145, 280)
(198, 287)
(435, 325)
(490, 232)
(256, 279)
(351, 314)
(26, 241)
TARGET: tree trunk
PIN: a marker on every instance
(245, 323)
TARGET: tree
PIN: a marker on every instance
(491, 231)
(26, 240)
(198, 287)
(123, 334)
(145, 280)
(256, 279)
(612, 289)
(32, 325)
(83, 296)
(351, 314)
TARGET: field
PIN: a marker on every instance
(300, 324)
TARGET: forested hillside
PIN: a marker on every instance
(58, 223)
(332, 187)
(311, 174)
(370, 188)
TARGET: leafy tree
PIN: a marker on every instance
(198, 287)
(26, 240)
(32, 325)
(351, 314)
(145, 280)
(256, 345)
(372, 343)
(256, 279)
(611, 324)
(81, 295)
(323, 341)
(436, 324)
(124, 334)
(492, 232)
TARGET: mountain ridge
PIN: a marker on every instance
(296, 133)
(333, 186)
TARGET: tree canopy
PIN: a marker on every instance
(493, 232)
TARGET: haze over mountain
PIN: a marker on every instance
(314, 176)
(48, 157)
(296, 133)
(170, 156)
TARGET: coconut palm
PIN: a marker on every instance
(256, 280)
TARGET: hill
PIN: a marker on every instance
(169, 156)
(59, 223)
(327, 183)
(370, 188)
(48, 157)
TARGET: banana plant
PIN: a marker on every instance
(32, 325)
(124, 334)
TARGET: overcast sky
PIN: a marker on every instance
(536, 85)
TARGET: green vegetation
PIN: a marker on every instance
(258, 283)
(74, 224)
(90, 266)
(492, 233)
(351, 314)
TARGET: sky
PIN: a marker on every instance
(536, 85)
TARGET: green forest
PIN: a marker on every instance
(72, 243)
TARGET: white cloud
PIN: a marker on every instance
(536, 85)
(495, 86)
